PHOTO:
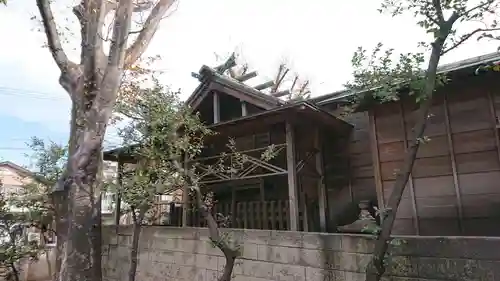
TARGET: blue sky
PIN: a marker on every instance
(316, 39)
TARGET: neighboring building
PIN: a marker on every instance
(325, 163)
(13, 178)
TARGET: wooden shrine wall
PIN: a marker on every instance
(348, 168)
(454, 188)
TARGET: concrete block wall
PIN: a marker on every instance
(186, 254)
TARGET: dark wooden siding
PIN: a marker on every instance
(349, 169)
(454, 188)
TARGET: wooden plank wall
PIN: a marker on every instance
(349, 171)
(454, 188)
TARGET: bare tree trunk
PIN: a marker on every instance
(213, 229)
(134, 252)
(15, 272)
(377, 268)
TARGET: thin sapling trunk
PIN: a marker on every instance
(136, 235)
(375, 272)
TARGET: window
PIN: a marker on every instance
(107, 204)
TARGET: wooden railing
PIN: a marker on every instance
(240, 165)
(271, 215)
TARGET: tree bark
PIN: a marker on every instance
(213, 229)
(377, 268)
(134, 252)
(92, 86)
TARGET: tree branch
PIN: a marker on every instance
(53, 40)
(480, 6)
(439, 10)
(150, 26)
(120, 33)
(467, 37)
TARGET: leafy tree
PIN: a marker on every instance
(164, 135)
(385, 80)
(15, 248)
(155, 113)
(35, 203)
(92, 85)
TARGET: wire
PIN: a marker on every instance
(5, 91)
(14, 148)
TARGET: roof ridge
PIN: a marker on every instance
(461, 64)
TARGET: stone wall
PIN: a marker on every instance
(186, 254)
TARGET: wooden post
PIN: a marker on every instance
(416, 223)
(216, 108)
(376, 161)
(233, 207)
(292, 177)
(303, 202)
(185, 195)
(264, 205)
(118, 195)
(322, 202)
(244, 111)
(454, 165)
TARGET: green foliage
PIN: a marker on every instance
(380, 75)
(14, 246)
(384, 76)
(371, 229)
(48, 159)
(432, 15)
(161, 129)
(48, 165)
(29, 208)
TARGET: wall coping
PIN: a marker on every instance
(125, 228)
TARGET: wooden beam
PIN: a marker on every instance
(376, 158)
(303, 202)
(246, 76)
(244, 111)
(281, 94)
(118, 195)
(263, 86)
(239, 95)
(410, 178)
(263, 204)
(453, 165)
(216, 107)
(230, 62)
(320, 169)
(233, 207)
(292, 177)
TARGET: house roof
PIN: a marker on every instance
(473, 62)
(306, 112)
(211, 80)
(309, 112)
(15, 167)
